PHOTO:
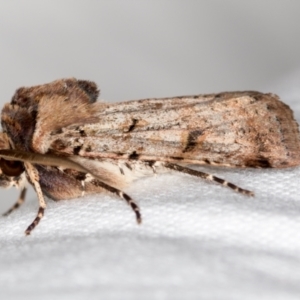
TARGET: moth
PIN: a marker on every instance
(59, 139)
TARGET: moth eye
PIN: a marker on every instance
(11, 167)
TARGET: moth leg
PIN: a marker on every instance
(132, 204)
(34, 178)
(208, 177)
(82, 188)
(18, 203)
(123, 196)
(152, 165)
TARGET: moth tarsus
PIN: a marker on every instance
(36, 221)
(19, 202)
(58, 138)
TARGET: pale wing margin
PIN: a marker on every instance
(231, 129)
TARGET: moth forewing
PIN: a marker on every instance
(68, 145)
(245, 129)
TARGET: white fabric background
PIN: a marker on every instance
(198, 240)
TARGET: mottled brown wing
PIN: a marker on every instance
(240, 129)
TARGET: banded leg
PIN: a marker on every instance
(18, 203)
(208, 177)
(34, 178)
(123, 196)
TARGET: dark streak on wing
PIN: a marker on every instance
(128, 166)
(76, 150)
(133, 125)
(261, 162)
(133, 156)
(176, 157)
(192, 140)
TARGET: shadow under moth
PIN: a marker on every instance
(63, 142)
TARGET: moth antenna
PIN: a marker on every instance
(43, 159)
(208, 177)
(19, 202)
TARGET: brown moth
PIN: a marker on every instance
(59, 139)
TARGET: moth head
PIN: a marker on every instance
(9, 181)
(11, 171)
